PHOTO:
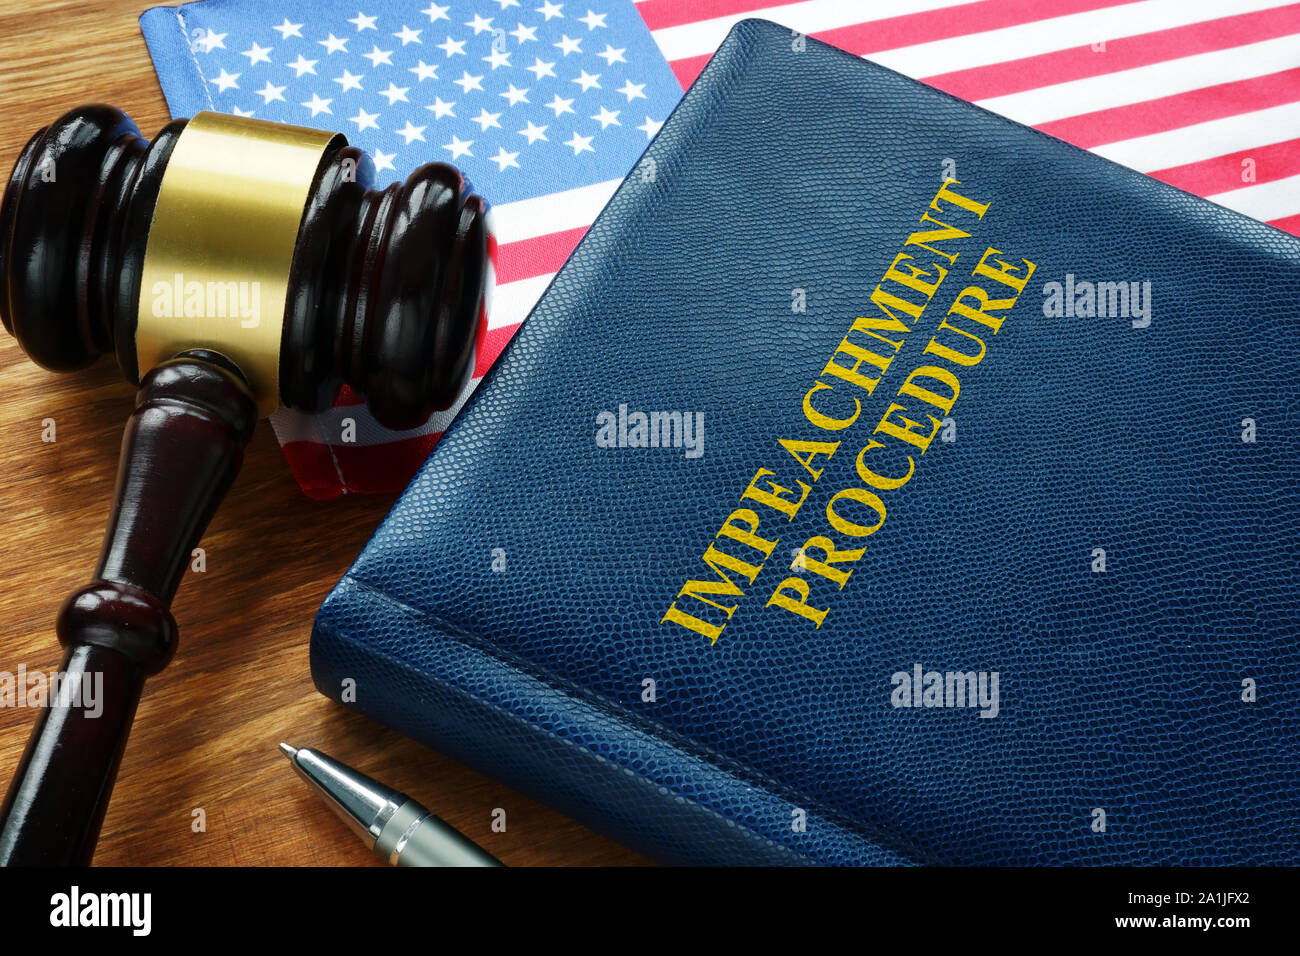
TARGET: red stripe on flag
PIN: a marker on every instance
(541, 255)
(313, 468)
(1125, 53)
(366, 469)
(1290, 224)
(688, 69)
(1174, 112)
(495, 341)
(1222, 173)
(913, 28)
(658, 14)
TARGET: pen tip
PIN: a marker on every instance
(288, 751)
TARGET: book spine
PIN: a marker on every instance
(574, 751)
(173, 38)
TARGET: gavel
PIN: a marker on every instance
(231, 265)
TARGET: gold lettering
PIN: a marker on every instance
(905, 429)
(850, 373)
(877, 481)
(830, 556)
(749, 537)
(1001, 273)
(947, 195)
(811, 449)
(774, 497)
(852, 528)
(950, 354)
(825, 421)
(937, 374)
(986, 305)
(912, 278)
(923, 239)
(887, 300)
(799, 606)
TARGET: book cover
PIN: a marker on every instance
(880, 481)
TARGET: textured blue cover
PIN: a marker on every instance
(801, 167)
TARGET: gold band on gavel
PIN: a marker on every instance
(217, 260)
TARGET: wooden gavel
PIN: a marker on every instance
(232, 265)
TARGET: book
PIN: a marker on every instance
(879, 482)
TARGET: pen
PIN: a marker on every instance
(395, 827)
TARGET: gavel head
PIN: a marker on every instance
(258, 243)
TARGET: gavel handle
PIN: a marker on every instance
(183, 446)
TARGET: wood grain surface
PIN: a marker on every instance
(206, 732)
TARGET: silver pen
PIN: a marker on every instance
(394, 826)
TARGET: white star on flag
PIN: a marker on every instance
(560, 105)
(459, 147)
(452, 47)
(349, 81)
(540, 68)
(212, 41)
(318, 105)
(468, 82)
(650, 127)
(533, 132)
(505, 160)
(270, 92)
(365, 120)
(580, 143)
(486, 119)
(441, 108)
(411, 133)
(257, 54)
(607, 118)
(302, 65)
(226, 81)
(514, 95)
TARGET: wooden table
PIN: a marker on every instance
(206, 732)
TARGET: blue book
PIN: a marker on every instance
(879, 482)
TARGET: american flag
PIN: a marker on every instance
(547, 105)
